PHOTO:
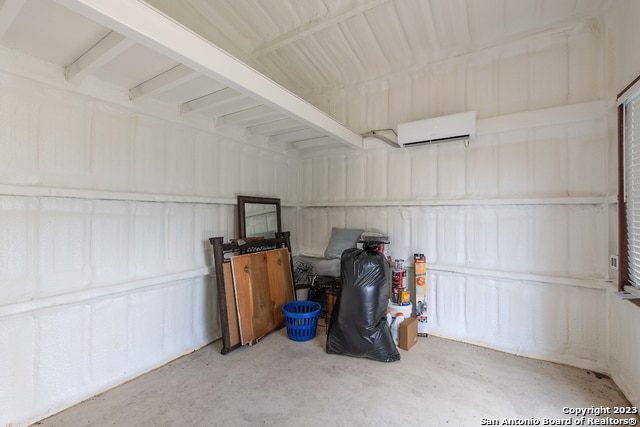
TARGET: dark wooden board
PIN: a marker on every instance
(232, 311)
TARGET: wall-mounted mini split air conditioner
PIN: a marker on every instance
(454, 127)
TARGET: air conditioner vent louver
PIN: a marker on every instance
(454, 127)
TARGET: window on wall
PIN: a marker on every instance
(629, 203)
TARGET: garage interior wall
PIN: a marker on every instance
(517, 228)
(106, 210)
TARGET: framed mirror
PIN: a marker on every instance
(258, 216)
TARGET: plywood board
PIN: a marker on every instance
(232, 311)
(263, 284)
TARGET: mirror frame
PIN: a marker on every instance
(243, 200)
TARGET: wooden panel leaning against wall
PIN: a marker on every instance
(264, 265)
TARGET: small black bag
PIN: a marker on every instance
(358, 324)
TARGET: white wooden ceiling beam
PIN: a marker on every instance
(111, 46)
(317, 143)
(163, 82)
(9, 11)
(276, 127)
(210, 101)
(299, 135)
(261, 112)
(143, 24)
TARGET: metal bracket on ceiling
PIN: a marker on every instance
(376, 134)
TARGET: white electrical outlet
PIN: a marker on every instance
(613, 262)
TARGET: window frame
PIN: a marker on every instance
(623, 238)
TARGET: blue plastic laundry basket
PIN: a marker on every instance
(301, 319)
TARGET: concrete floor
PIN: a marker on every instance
(279, 382)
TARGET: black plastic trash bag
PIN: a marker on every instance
(358, 324)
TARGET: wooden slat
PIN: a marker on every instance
(280, 282)
(242, 293)
(232, 311)
(262, 308)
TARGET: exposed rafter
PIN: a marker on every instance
(98, 56)
(275, 128)
(141, 23)
(260, 113)
(299, 135)
(313, 144)
(163, 82)
(210, 101)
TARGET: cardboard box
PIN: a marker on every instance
(408, 333)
